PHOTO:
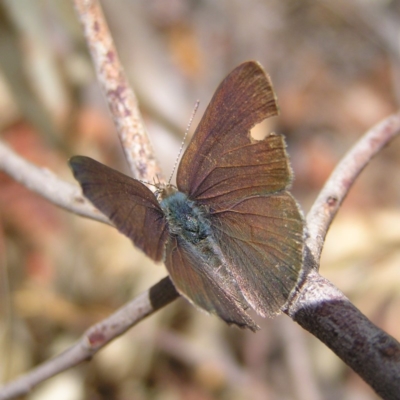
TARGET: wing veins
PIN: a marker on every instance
(216, 167)
(252, 213)
(253, 243)
(245, 259)
(277, 235)
(239, 189)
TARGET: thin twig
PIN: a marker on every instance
(45, 183)
(95, 338)
(121, 99)
(342, 178)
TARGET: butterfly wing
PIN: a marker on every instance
(211, 289)
(222, 162)
(130, 205)
(262, 238)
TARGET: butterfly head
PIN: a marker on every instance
(165, 190)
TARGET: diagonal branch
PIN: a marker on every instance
(95, 338)
(44, 182)
(121, 99)
(342, 178)
(329, 315)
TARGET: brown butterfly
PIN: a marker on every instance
(230, 234)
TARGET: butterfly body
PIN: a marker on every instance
(185, 218)
(230, 233)
(190, 227)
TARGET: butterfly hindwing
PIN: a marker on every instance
(262, 238)
(130, 205)
(211, 289)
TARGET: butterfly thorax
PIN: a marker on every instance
(186, 219)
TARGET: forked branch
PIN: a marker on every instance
(318, 306)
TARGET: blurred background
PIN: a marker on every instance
(335, 69)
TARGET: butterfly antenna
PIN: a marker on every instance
(196, 106)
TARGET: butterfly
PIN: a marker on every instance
(230, 233)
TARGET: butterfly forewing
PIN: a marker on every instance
(211, 289)
(222, 163)
(262, 239)
(126, 202)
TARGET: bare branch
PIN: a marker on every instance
(342, 178)
(45, 183)
(95, 338)
(321, 308)
(121, 99)
(329, 315)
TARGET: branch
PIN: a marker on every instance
(329, 315)
(44, 182)
(121, 99)
(95, 338)
(318, 306)
(342, 178)
(322, 309)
